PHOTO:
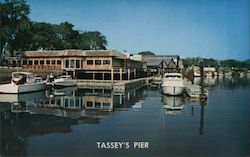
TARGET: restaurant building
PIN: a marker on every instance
(85, 64)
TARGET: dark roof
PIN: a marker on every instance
(155, 60)
(76, 53)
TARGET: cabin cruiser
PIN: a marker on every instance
(23, 82)
(172, 84)
(65, 81)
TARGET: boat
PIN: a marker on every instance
(23, 82)
(195, 92)
(157, 80)
(65, 81)
(172, 84)
(197, 74)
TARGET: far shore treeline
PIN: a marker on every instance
(19, 34)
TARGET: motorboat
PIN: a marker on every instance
(23, 82)
(65, 81)
(172, 84)
(197, 74)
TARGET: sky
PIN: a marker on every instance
(217, 29)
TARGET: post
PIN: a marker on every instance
(112, 75)
(120, 74)
(128, 74)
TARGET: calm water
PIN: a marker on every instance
(70, 122)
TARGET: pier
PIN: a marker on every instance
(117, 86)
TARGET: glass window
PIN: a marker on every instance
(72, 63)
(98, 62)
(36, 62)
(24, 62)
(90, 62)
(53, 62)
(59, 62)
(89, 104)
(42, 62)
(30, 62)
(106, 62)
(77, 63)
(67, 63)
(97, 104)
(48, 62)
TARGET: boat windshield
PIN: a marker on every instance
(170, 76)
(67, 77)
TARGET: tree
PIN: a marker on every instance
(92, 41)
(144, 53)
(15, 26)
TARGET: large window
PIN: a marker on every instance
(66, 63)
(41, 62)
(98, 62)
(59, 62)
(36, 62)
(77, 63)
(48, 62)
(30, 62)
(106, 62)
(24, 62)
(72, 63)
(90, 62)
(53, 62)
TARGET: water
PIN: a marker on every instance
(71, 121)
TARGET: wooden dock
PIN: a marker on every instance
(116, 85)
(194, 91)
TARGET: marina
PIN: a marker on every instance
(31, 122)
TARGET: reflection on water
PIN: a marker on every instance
(84, 116)
(173, 104)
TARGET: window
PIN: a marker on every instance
(98, 62)
(106, 62)
(36, 62)
(77, 63)
(48, 62)
(53, 62)
(30, 62)
(42, 62)
(72, 63)
(90, 62)
(24, 62)
(59, 62)
(97, 104)
(66, 63)
(89, 104)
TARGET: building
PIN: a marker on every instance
(85, 64)
(160, 64)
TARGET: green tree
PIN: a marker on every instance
(144, 53)
(92, 41)
(15, 26)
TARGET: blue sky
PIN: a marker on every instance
(206, 28)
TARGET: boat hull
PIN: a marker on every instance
(65, 83)
(12, 88)
(172, 90)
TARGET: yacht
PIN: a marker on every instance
(23, 82)
(172, 84)
(65, 81)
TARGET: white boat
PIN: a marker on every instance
(197, 74)
(172, 84)
(65, 81)
(194, 91)
(23, 82)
